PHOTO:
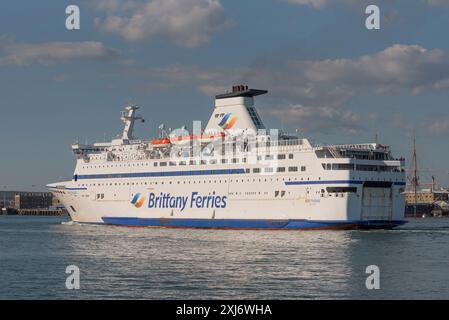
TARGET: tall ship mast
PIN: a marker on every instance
(424, 198)
(233, 174)
(414, 178)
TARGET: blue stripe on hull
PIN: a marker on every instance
(160, 174)
(250, 223)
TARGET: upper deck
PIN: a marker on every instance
(234, 132)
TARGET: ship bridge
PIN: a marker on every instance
(365, 151)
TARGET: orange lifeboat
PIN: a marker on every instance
(203, 138)
(181, 139)
(160, 142)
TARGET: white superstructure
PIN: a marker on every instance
(233, 174)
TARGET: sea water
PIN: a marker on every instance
(144, 263)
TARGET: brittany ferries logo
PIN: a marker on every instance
(169, 201)
(138, 200)
(228, 121)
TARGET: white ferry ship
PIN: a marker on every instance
(233, 175)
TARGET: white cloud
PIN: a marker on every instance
(439, 127)
(188, 23)
(314, 3)
(438, 2)
(314, 118)
(114, 5)
(12, 53)
(319, 119)
(209, 81)
(408, 69)
(399, 67)
(319, 91)
(320, 4)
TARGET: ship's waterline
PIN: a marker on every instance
(233, 175)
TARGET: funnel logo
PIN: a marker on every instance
(138, 200)
(228, 121)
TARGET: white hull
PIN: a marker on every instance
(248, 197)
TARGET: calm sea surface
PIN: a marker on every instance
(131, 263)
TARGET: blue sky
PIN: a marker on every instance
(327, 75)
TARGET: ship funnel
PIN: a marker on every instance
(235, 111)
(239, 88)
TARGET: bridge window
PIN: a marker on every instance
(341, 189)
(342, 166)
(377, 168)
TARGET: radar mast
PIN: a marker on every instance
(129, 117)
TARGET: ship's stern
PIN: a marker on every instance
(378, 205)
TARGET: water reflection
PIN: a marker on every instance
(117, 262)
(167, 263)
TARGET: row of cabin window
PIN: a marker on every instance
(358, 167)
(279, 156)
(100, 196)
(215, 161)
(116, 166)
(189, 182)
(194, 162)
(255, 170)
(279, 169)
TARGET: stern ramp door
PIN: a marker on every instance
(377, 203)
